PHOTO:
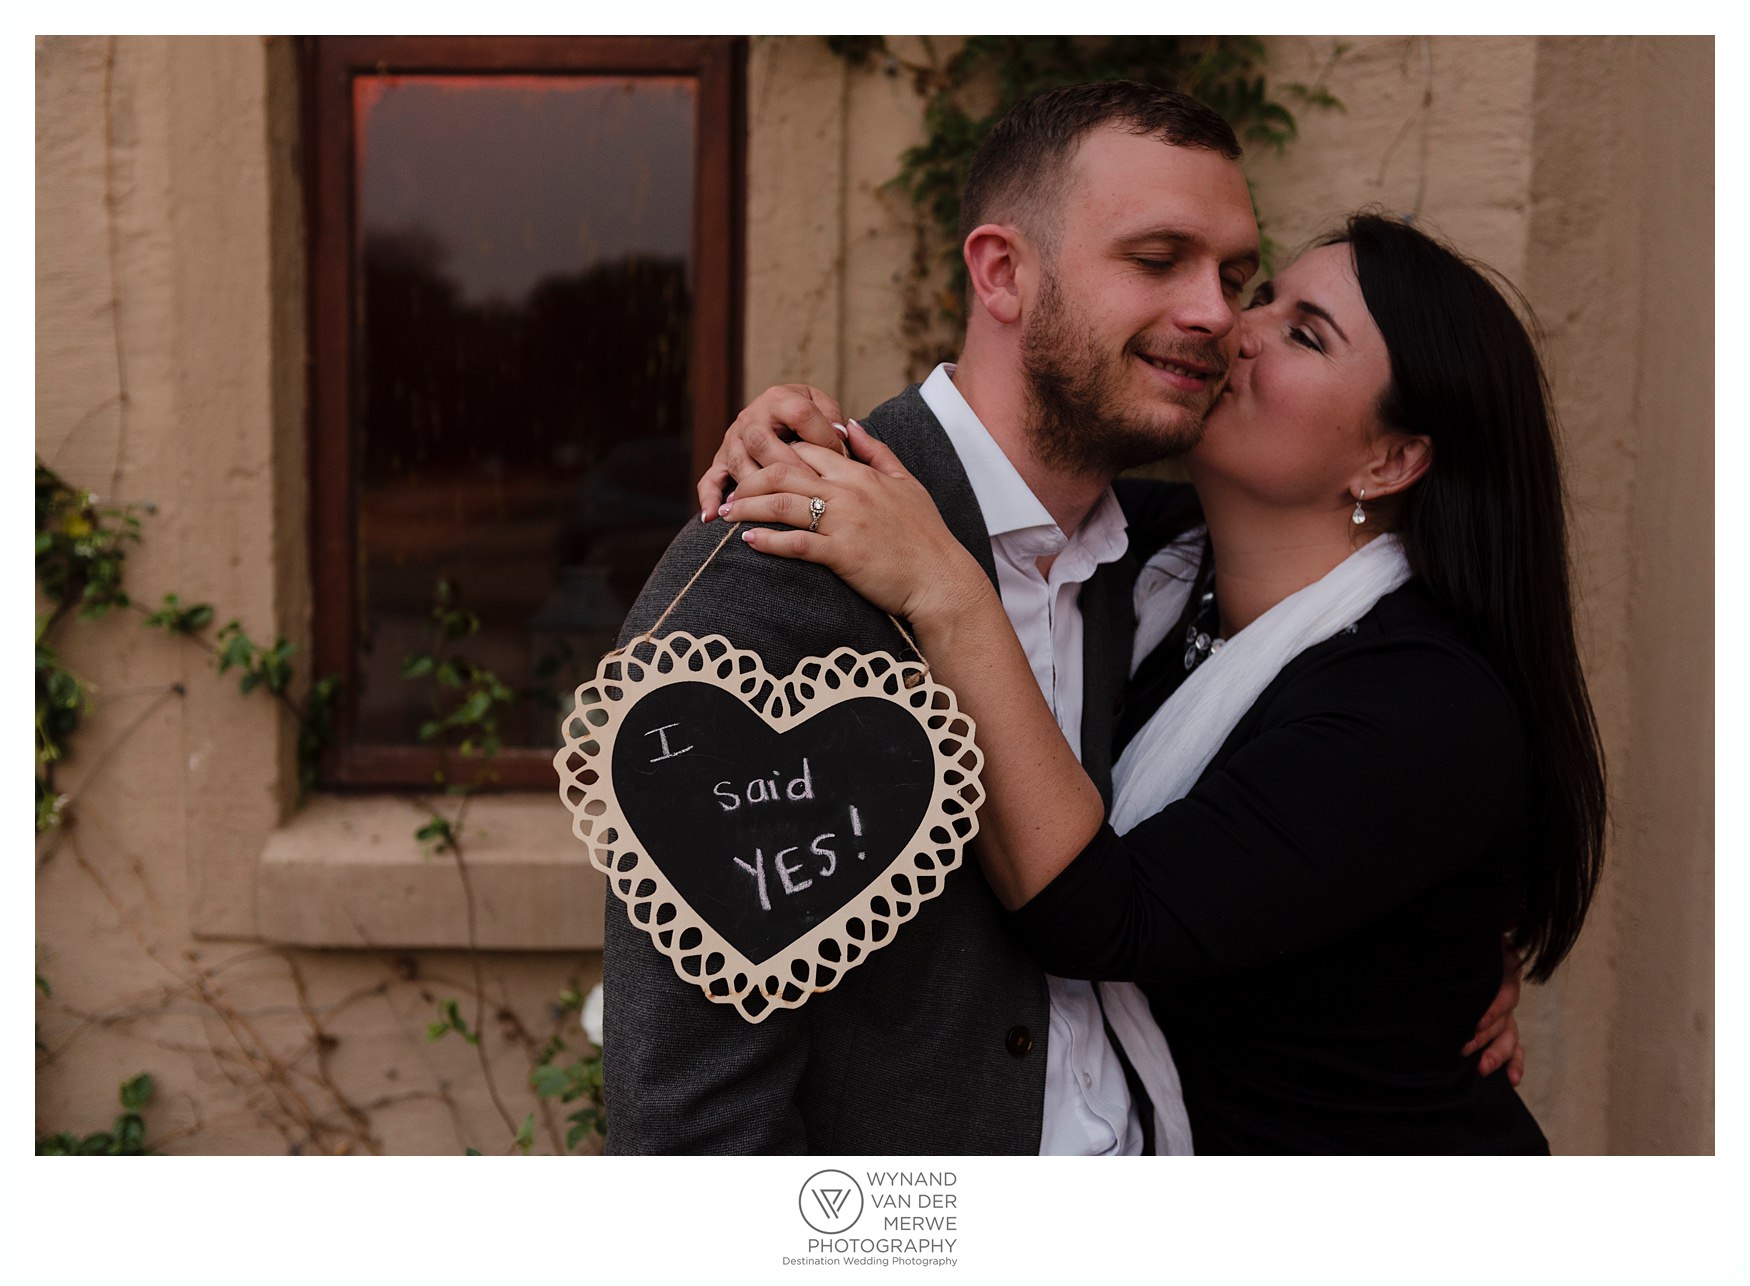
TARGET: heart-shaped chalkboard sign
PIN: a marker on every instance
(768, 833)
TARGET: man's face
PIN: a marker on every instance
(1133, 325)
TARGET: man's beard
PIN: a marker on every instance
(1078, 422)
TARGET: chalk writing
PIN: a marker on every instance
(761, 791)
(758, 871)
(767, 834)
(662, 736)
(793, 873)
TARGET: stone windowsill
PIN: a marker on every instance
(345, 871)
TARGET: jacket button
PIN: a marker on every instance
(1019, 1041)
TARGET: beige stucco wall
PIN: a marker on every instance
(1580, 167)
(146, 908)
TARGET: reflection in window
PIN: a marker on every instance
(521, 421)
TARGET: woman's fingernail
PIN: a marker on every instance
(723, 510)
(748, 535)
(859, 424)
(843, 431)
(704, 515)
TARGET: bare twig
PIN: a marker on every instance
(322, 1043)
(110, 203)
(109, 753)
(479, 974)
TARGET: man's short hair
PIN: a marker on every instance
(1021, 170)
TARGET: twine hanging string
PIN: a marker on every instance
(649, 635)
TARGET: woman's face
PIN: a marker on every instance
(1297, 422)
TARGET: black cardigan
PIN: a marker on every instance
(1318, 923)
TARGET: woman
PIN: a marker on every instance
(1361, 750)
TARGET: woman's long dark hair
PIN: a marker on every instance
(1486, 531)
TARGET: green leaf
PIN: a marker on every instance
(165, 615)
(438, 832)
(416, 667)
(130, 1135)
(459, 624)
(137, 1092)
(236, 650)
(585, 1121)
(549, 1081)
(452, 1021)
(576, 1133)
(526, 1135)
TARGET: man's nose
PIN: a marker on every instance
(1205, 307)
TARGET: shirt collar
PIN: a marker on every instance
(1006, 502)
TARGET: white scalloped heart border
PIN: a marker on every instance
(819, 959)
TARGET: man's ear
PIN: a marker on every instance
(994, 254)
(1399, 460)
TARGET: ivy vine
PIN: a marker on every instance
(81, 550)
(127, 1137)
(965, 94)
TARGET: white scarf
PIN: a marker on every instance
(1165, 759)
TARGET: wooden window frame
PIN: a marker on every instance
(329, 65)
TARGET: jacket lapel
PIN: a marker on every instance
(1108, 624)
(907, 425)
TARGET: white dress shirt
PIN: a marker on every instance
(1088, 1108)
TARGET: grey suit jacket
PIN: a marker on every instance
(936, 1044)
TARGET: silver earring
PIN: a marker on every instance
(1360, 514)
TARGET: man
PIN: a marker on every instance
(1108, 233)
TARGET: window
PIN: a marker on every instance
(523, 303)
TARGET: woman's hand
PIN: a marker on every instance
(879, 530)
(1497, 1033)
(756, 439)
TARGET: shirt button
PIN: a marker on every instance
(1019, 1041)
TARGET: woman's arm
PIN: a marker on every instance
(881, 533)
(1115, 903)
(1381, 774)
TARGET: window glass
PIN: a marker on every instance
(521, 420)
